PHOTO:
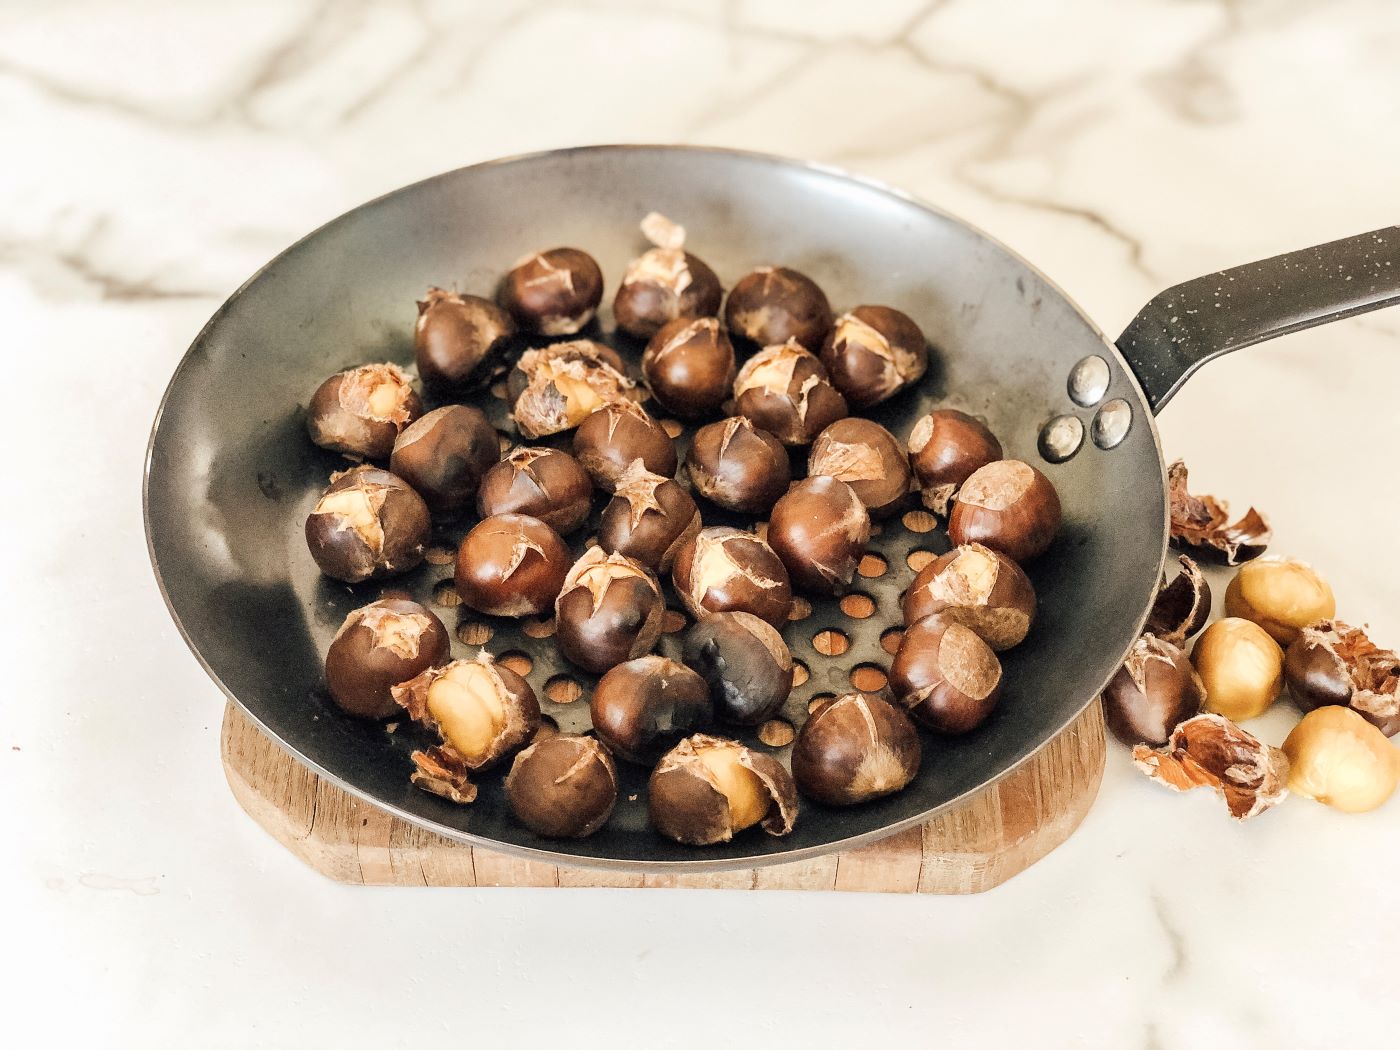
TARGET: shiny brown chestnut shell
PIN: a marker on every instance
(978, 587)
(1334, 664)
(1008, 505)
(378, 646)
(607, 442)
(562, 787)
(689, 367)
(648, 519)
(644, 707)
(946, 447)
(367, 525)
(662, 285)
(819, 530)
(744, 662)
(736, 466)
(723, 569)
(855, 748)
(554, 292)
(774, 304)
(872, 353)
(1182, 606)
(458, 338)
(444, 454)
(784, 390)
(541, 482)
(866, 457)
(946, 677)
(511, 565)
(359, 412)
(609, 610)
(707, 789)
(1155, 690)
(555, 388)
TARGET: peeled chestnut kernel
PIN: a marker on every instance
(457, 338)
(946, 677)
(784, 390)
(644, 707)
(1008, 505)
(1281, 595)
(360, 411)
(649, 518)
(1333, 663)
(866, 457)
(377, 647)
(946, 447)
(1182, 606)
(1241, 668)
(707, 790)
(1341, 760)
(723, 570)
(555, 292)
(541, 482)
(608, 610)
(819, 531)
(511, 565)
(1211, 751)
(872, 353)
(608, 441)
(664, 283)
(853, 749)
(736, 466)
(367, 525)
(745, 663)
(444, 455)
(562, 787)
(978, 587)
(555, 388)
(1154, 691)
(689, 366)
(774, 304)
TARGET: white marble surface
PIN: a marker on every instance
(155, 154)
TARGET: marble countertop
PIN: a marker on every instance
(157, 154)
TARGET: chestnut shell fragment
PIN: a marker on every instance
(1211, 751)
(1200, 522)
(1333, 663)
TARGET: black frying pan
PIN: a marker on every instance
(231, 474)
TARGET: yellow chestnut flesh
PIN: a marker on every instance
(748, 798)
(1341, 760)
(1241, 666)
(1281, 595)
(468, 708)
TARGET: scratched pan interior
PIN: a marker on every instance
(231, 474)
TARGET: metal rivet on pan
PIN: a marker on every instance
(1112, 423)
(1060, 438)
(1088, 381)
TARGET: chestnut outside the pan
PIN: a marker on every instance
(231, 474)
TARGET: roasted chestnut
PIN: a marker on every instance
(444, 454)
(872, 353)
(1332, 663)
(866, 457)
(555, 388)
(541, 482)
(1240, 666)
(945, 676)
(946, 448)
(975, 586)
(609, 440)
(562, 787)
(1338, 758)
(853, 749)
(649, 518)
(457, 338)
(784, 390)
(722, 569)
(1281, 595)
(664, 283)
(367, 525)
(1154, 690)
(774, 304)
(819, 530)
(745, 664)
(377, 647)
(360, 411)
(511, 565)
(608, 610)
(554, 292)
(644, 707)
(736, 466)
(1008, 505)
(707, 789)
(689, 366)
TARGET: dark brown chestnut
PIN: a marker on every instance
(866, 457)
(360, 411)
(554, 292)
(774, 304)
(377, 647)
(458, 338)
(689, 366)
(648, 519)
(1154, 690)
(946, 677)
(946, 447)
(707, 789)
(444, 454)
(609, 610)
(1182, 606)
(819, 530)
(562, 787)
(784, 390)
(744, 662)
(874, 352)
(609, 440)
(1008, 505)
(664, 283)
(855, 748)
(644, 707)
(367, 525)
(736, 466)
(723, 569)
(555, 388)
(978, 587)
(1334, 664)
(541, 482)
(511, 565)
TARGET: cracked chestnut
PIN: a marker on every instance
(644, 707)
(784, 390)
(707, 789)
(978, 587)
(945, 676)
(377, 647)
(664, 283)
(744, 662)
(874, 352)
(1008, 505)
(649, 518)
(736, 466)
(689, 367)
(722, 569)
(774, 304)
(367, 525)
(554, 292)
(1331, 663)
(819, 530)
(946, 447)
(444, 454)
(541, 482)
(562, 787)
(609, 610)
(458, 338)
(360, 412)
(1155, 690)
(555, 388)
(866, 457)
(855, 748)
(511, 565)
(609, 440)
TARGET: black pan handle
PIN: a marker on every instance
(1188, 325)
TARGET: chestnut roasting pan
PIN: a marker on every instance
(231, 474)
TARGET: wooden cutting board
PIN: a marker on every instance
(1000, 832)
